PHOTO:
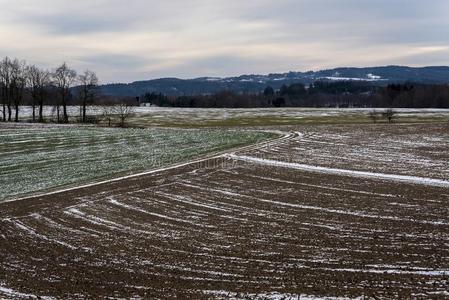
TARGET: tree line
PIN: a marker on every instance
(318, 94)
(23, 84)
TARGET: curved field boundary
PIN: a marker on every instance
(283, 136)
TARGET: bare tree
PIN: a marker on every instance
(374, 116)
(389, 114)
(18, 83)
(32, 77)
(64, 78)
(5, 79)
(89, 84)
(107, 114)
(39, 80)
(123, 111)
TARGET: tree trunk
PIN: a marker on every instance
(41, 106)
(4, 95)
(64, 108)
(16, 117)
(4, 100)
(9, 113)
(10, 103)
(84, 111)
(34, 111)
(85, 95)
(18, 101)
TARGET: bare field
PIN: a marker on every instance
(324, 211)
(402, 149)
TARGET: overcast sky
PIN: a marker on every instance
(126, 40)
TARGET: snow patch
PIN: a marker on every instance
(221, 294)
(343, 172)
(18, 295)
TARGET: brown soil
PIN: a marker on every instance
(225, 225)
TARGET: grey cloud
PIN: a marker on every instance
(225, 65)
(116, 61)
(192, 38)
(76, 24)
(435, 58)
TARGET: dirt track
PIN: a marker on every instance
(227, 227)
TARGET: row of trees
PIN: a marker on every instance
(361, 94)
(320, 94)
(20, 82)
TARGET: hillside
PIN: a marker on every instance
(256, 83)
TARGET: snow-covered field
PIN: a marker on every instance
(36, 158)
(322, 212)
(208, 116)
(268, 116)
(238, 112)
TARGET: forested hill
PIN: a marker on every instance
(257, 83)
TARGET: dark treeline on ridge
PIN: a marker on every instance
(318, 94)
(255, 83)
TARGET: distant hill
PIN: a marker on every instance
(257, 83)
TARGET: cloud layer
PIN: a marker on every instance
(140, 39)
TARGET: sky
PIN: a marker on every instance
(128, 40)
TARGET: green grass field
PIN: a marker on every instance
(201, 118)
(44, 158)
